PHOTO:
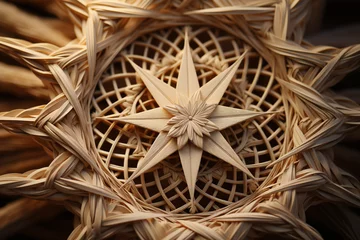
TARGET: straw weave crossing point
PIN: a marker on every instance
(186, 119)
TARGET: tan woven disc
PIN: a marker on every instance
(121, 92)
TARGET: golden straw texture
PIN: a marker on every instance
(253, 173)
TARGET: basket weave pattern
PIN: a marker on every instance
(258, 142)
(288, 152)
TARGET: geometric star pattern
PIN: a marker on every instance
(303, 175)
(121, 94)
(191, 115)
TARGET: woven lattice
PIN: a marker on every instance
(258, 142)
(92, 81)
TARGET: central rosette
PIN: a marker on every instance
(190, 121)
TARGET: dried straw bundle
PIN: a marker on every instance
(95, 79)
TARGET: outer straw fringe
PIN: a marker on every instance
(21, 82)
(50, 6)
(277, 205)
(19, 154)
(21, 213)
(29, 26)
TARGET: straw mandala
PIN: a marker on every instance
(187, 120)
(198, 118)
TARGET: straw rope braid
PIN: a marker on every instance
(301, 175)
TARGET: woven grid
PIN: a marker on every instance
(88, 180)
(120, 92)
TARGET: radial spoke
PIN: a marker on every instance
(224, 117)
(213, 90)
(160, 149)
(187, 82)
(154, 119)
(163, 93)
(190, 157)
(217, 145)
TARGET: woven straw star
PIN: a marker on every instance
(191, 115)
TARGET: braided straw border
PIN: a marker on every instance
(316, 119)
